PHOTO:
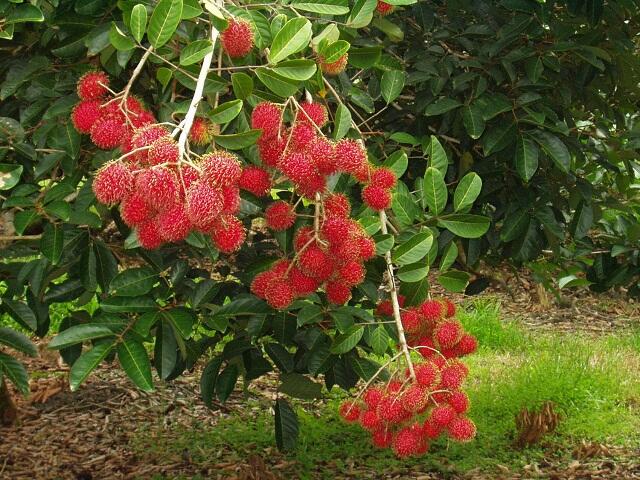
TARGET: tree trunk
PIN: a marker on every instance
(8, 410)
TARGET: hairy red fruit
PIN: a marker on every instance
(337, 205)
(230, 200)
(148, 235)
(93, 85)
(200, 133)
(314, 183)
(459, 401)
(237, 38)
(221, 168)
(447, 333)
(262, 281)
(372, 397)
(134, 210)
(351, 274)
(384, 8)
(112, 183)
(386, 308)
(427, 374)
(228, 233)
(432, 311)
(279, 295)
(411, 321)
(467, 345)
(302, 236)
(337, 293)
(173, 224)
(351, 157)
(302, 284)
(302, 134)
(298, 167)
(163, 150)
(315, 262)
(408, 441)
(255, 180)
(321, 151)
(85, 114)
(394, 387)
(271, 150)
(313, 112)
(383, 177)
(382, 438)
(452, 377)
(370, 421)
(461, 429)
(425, 347)
(145, 137)
(336, 229)
(390, 410)
(107, 133)
(376, 198)
(442, 415)
(159, 187)
(367, 247)
(450, 308)
(187, 176)
(114, 110)
(430, 429)
(280, 216)
(333, 68)
(204, 204)
(414, 398)
(350, 411)
(344, 252)
(142, 119)
(266, 116)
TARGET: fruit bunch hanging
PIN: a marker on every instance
(162, 194)
(412, 410)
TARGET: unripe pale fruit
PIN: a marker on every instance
(334, 68)
(85, 114)
(113, 183)
(237, 39)
(92, 85)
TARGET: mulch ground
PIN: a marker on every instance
(88, 434)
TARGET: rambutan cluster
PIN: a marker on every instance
(163, 197)
(384, 8)
(408, 414)
(331, 258)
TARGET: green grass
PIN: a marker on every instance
(594, 382)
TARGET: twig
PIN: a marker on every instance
(136, 72)
(6, 238)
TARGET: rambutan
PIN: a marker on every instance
(237, 38)
(221, 168)
(230, 200)
(262, 281)
(452, 376)
(142, 119)
(163, 150)
(315, 262)
(279, 295)
(425, 347)
(382, 438)
(302, 236)
(108, 132)
(450, 308)
(372, 397)
(200, 133)
(337, 205)
(427, 374)
(333, 68)
(337, 292)
(228, 233)
(145, 137)
(414, 398)
(367, 247)
(112, 183)
(313, 112)
(459, 401)
(376, 198)
(266, 116)
(411, 321)
(173, 224)
(336, 229)
(432, 311)
(467, 345)
(369, 420)
(383, 177)
(384, 8)
(447, 333)
(351, 274)
(134, 210)
(321, 151)
(148, 235)
(351, 157)
(187, 176)
(159, 187)
(297, 166)
(280, 216)
(255, 180)
(85, 114)
(311, 185)
(204, 204)
(302, 284)
(442, 415)
(93, 85)
(407, 441)
(390, 410)
(430, 429)
(386, 308)
(461, 429)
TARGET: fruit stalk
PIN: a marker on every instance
(135, 74)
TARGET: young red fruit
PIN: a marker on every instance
(313, 112)
(145, 137)
(337, 205)
(204, 204)
(447, 333)
(351, 274)
(230, 200)
(411, 321)
(148, 235)
(266, 116)
(350, 411)
(159, 187)
(163, 150)
(302, 135)
(414, 398)
(370, 421)
(383, 177)
(408, 441)
(427, 374)
(271, 150)
(442, 415)
(302, 284)
(383, 8)
(461, 429)
(376, 198)
(432, 311)
(221, 168)
(112, 183)
(93, 85)
(382, 438)
(372, 397)
(200, 133)
(255, 180)
(173, 224)
(459, 401)
(351, 157)
(467, 345)
(315, 262)
(85, 114)
(108, 133)
(237, 39)
(338, 293)
(134, 210)
(228, 233)
(334, 68)
(280, 216)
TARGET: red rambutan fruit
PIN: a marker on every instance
(280, 215)
(228, 233)
(372, 397)
(459, 401)
(336, 229)
(112, 183)
(204, 204)
(376, 198)
(302, 236)
(350, 411)
(337, 205)
(383, 177)
(302, 284)
(148, 235)
(187, 176)
(93, 85)
(221, 168)
(266, 116)
(390, 410)
(159, 187)
(142, 119)
(430, 429)
(432, 311)
(302, 135)
(237, 38)
(351, 157)
(315, 262)
(386, 308)
(314, 183)
(447, 333)
(255, 180)
(351, 274)
(173, 224)
(384, 8)
(425, 347)
(411, 321)
(262, 281)
(450, 308)
(321, 151)
(108, 132)
(85, 114)
(200, 133)
(367, 247)
(407, 441)
(271, 150)
(163, 150)
(279, 295)
(414, 398)
(230, 199)
(134, 210)
(145, 137)
(382, 438)
(461, 429)
(442, 415)
(313, 112)
(337, 293)
(427, 374)
(333, 68)
(369, 420)
(467, 345)
(452, 376)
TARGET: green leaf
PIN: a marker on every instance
(278, 84)
(392, 84)
(413, 272)
(526, 158)
(9, 175)
(554, 148)
(298, 70)
(23, 219)
(365, 57)
(280, 356)
(473, 121)
(164, 22)
(582, 220)
(119, 39)
(391, 30)
(51, 242)
(333, 52)
(384, 243)
(79, 334)
(434, 191)
(467, 191)
(415, 292)
(24, 13)
(226, 112)
(345, 342)
(361, 13)
(397, 162)
(515, 224)
(238, 141)
(292, 38)
(437, 155)
(323, 7)
(365, 368)
(195, 52)
(440, 106)
(286, 425)
(133, 282)
(298, 386)
(164, 74)
(449, 256)
(182, 320)
(499, 137)
(404, 208)
(15, 371)
(379, 340)
(17, 341)
(413, 249)
(342, 122)
(242, 85)
(135, 362)
(465, 225)
(138, 22)
(311, 313)
(191, 9)
(128, 304)
(87, 362)
(208, 380)
(454, 280)
(226, 382)
(21, 313)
